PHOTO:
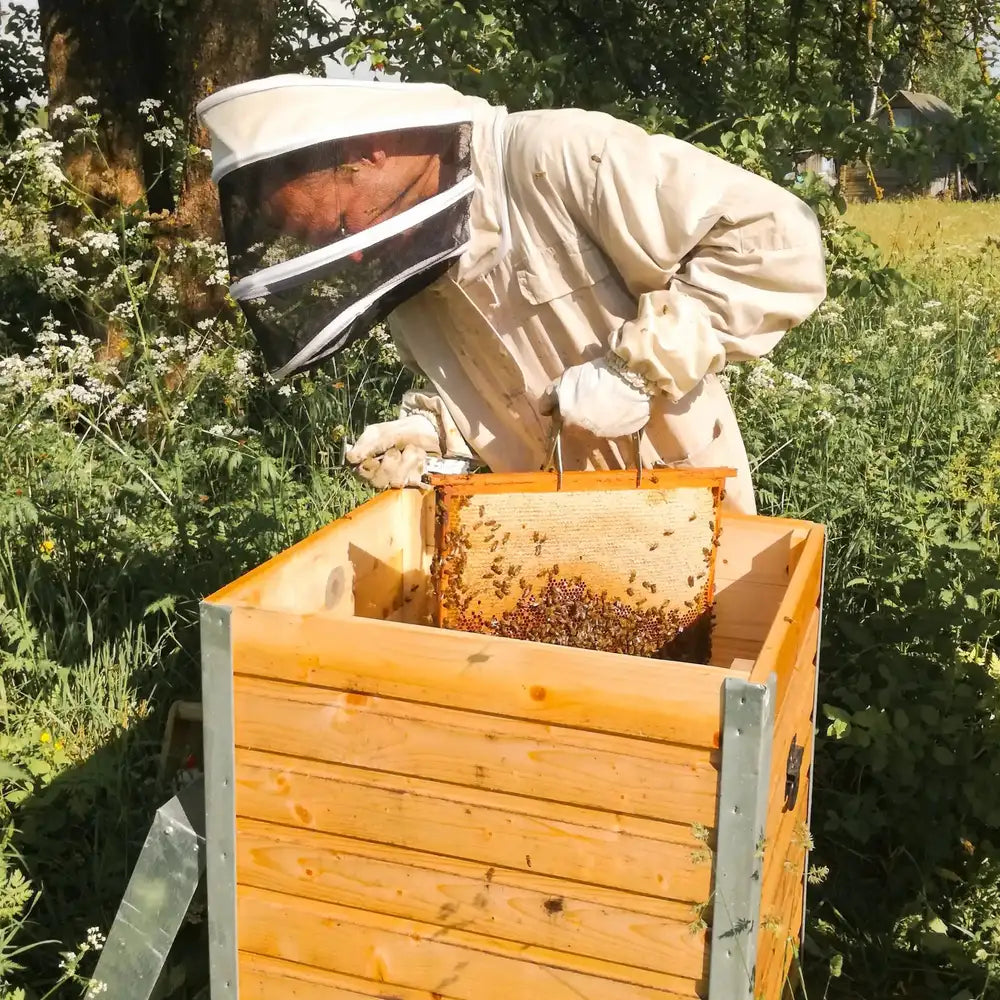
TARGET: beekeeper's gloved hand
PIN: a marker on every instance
(600, 398)
(394, 453)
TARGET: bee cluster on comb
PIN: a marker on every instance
(519, 566)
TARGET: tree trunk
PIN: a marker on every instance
(749, 34)
(107, 51)
(227, 42)
(794, 34)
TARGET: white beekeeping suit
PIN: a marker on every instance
(574, 262)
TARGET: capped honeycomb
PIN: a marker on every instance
(619, 569)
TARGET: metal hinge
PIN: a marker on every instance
(793, 772)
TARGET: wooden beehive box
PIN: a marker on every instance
(396, 810)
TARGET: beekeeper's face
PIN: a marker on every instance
(379, 177)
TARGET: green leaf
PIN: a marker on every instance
(8, 772)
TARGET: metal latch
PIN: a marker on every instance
(793, 772)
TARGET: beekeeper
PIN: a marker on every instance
(538, 266)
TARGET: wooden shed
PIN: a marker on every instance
(396, 809)
(908, 110)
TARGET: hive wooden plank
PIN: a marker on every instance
(757, 549)
(785, 853)
(585, 845)
(263, 978)
(365, 562)
(782, 911)
(657, 699)
(638, 777)
(779, 652)
(795, 714)
(752, 569)
(549, 482)
(513, 906)
(420, 956)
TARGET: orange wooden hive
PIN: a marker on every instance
(399, 810)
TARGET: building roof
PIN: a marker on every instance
(931, 107)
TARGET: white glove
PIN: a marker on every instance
(394, 453)
(596, 398)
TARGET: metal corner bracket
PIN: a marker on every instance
(747, 735)
(220, 797)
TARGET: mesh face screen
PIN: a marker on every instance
(283, 207)
(296, 311)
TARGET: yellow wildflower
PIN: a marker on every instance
(47, 547)
(46, 736)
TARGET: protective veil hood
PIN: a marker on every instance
(308, 283)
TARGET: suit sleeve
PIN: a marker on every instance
(722, 262)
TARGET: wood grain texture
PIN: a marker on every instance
(785, 850)
(367, 563)
(548, 482)
(657, 699)
(618, 852)
(414, 955)
(637, 777)
(782, 898)
(514, 906)
(263, 978)
(780, 650)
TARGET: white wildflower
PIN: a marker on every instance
(148, 106)
(96, 988)
(123, 310)
(86, 102)
(139, 415)
(161, 137)
(59, 279)
(831, 311)
(206, 324)
(224, 429)
(166, 290)
(286, 390)
(825, 418)
(761, 376)
(796, 382)
(63, 113)
(102, 240)
(95, 939)
(932, 304)
(930, 330)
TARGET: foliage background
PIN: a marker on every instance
(145, 458)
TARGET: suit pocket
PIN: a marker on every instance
(549, 273)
